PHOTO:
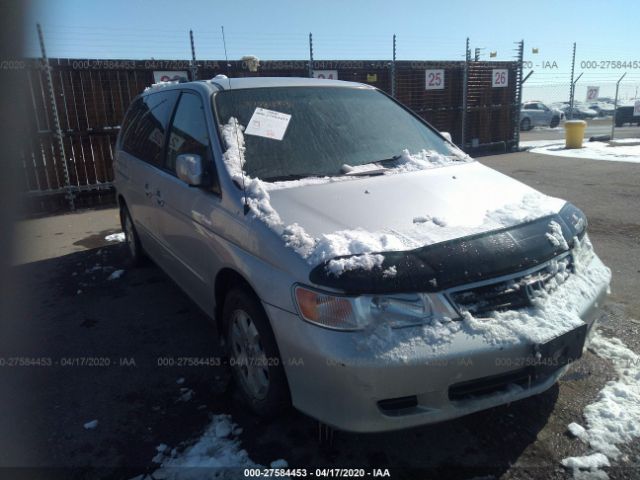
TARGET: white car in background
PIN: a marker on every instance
(537, 114)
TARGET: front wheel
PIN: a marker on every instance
(555, 121)
(131, 237)
(253, 355)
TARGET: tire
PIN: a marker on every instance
(619, 124)
(555, 121)
(136, 254)
(525, 125)
(253, 354)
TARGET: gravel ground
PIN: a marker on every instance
(68, 312)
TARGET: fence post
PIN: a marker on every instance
(615, 107)
(194, 67)
(519, 85)
(56, 122)
(572, 86)
(310, 55)
(465, 82)
(393, 69)
(573, 92)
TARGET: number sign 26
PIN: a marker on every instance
(434, 79)
(499, 77)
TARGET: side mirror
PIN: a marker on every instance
(190, 169)
(446, 135)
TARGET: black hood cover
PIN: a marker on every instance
(462, 260)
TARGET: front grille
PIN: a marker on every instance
(516, 292)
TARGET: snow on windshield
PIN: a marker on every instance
(424, 230)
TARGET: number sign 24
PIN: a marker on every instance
(434, 79)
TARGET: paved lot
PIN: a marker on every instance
(598, 126)
(71, 313)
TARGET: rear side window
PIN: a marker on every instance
(189, 132)
(146, 125)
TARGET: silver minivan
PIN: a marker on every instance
(358, 265)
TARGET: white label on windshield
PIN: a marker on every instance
(268, 124)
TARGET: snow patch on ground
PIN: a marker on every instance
(91, 425)
(588, 462)
(115, 275)
(115, 237)
(614, 418)
(216, 454)
(217, 449)
(615, 151)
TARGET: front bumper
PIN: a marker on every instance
(337, 380)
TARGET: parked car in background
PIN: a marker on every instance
(357, 264)
(537, 114)
(580, 112)
(603, 109)
(624, 114)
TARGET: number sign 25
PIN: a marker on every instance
(499, 77)
(434, 79)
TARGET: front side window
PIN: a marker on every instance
(328, 127)
(188, 131)
(146, 126)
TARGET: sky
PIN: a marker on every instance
(279, 29)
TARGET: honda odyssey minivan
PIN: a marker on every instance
(357, 264)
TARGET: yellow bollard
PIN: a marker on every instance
(574, 133)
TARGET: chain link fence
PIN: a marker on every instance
(77, 104)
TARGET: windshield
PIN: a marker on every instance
(322, 129)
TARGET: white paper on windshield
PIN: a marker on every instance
(268, 124)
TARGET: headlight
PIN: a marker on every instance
(355, 313)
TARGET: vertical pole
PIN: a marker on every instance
(393, 69)
(615, 107)
(310, 55)
(56, 122)
(465, 81)
(519, 86)
(476, 57)
(194, 67)
(571, 88)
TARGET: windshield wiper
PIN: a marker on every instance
(365, 173)
(354, 170)
(286, 178)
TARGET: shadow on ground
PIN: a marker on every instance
(118, 351)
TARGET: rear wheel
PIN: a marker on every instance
(525, 124)
(131, 237)
(253, 355)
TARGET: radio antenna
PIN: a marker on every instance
(240, 154)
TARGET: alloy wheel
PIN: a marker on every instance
(249, 356)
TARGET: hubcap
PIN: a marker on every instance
(249, 356)
(128, 233)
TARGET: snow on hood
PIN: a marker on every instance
(436, 199)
